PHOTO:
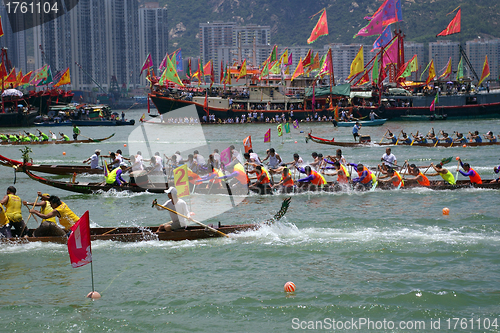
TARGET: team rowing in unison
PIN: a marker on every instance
(442, 137)
(29, 137)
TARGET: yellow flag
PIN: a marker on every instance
(243, 70)
(65, 79)
(432, 73)
(181, 180)
(358, 64)
(284, 57)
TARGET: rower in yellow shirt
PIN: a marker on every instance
(12, 204)
(48, 227)
(66, 216)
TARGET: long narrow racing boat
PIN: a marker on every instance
(139, 234)
(55, 142)
(375, 122)
(332, 142)
(48, 168)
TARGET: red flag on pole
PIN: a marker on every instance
(79, 248)
(486, 71)
(453, 27)
(321, 28)
(247, 143)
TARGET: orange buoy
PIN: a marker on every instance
(457, 158)
(94, 295)
(464, 145)
(64, 153)
(295, 141)
(290, 287)
(446, 211)
(124, 145)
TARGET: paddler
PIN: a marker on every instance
(496, 170)
(76, 132)
(94, 160)
(388, 159)
(48, 227)
(43, 136)
(475, 137)
(212, 177)
(13, 204)
(263, 178)
(286, 182)
(394, 177)
(490, 137)
(177, 222)
(446, 138)
(365, 178)
(460, 138)
(469, 172)
(114, 177)
(313, 180)
(53, 136)
(4, 137)
(444, 173)
(13, 138)
(420, 178)
(32, 136)
(391, 137)
(341, 172)
(64, 137)
(405, 139)
(239, 174)
(61, 210)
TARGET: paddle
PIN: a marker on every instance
(86, 137)
(383, 137)
(458, 168)
(155, 203)
(437, 139)
(414, 139)
(398, 137)
(34, 204)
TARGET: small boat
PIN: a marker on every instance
(332, 142)
(102, 122)
(53, 124)
(139, 234)
(48, 168)
(56, 142)
(375, 122)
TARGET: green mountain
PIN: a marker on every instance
(291, 24)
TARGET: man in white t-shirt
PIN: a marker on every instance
(177, 222)
(200, 160)
(388, 159)
(94, 160)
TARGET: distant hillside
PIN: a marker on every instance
(290, 23)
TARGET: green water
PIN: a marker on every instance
(382, 255)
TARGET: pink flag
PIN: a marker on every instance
(147, 63)
(225, 156)
(375, 27)
(163, 64)
(433, 106)
(267, 136)
(289, 59)
(390, 54)
(79, 249)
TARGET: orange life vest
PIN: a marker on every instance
(368, 177)
(318, 179)
(425, 181)
(343, 178)
(475, 179)
(288, 182)
(265, 180)
(400, 180)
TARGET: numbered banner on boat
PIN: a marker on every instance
(181, 181)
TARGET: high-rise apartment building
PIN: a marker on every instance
(478, 49)
(14, 42)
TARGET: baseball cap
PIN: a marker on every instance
(171, 190)
(97, 151)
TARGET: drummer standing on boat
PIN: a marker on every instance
(94, 160)
(76, 132)
(388, 159)
(355, 130)
(175, 204)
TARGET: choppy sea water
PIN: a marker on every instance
(357, 259)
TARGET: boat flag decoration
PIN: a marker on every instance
(364, 79)
(308, 59)
(434, 102)
(486, 71)
(1, 27)
(264, 71)
(163, 63)
(336, 113)
(409, 67)
(432, 73)
(147, 63)
(26, 78)
(3, 70)
(320, 29)
(447, 71)
(19, 77)
(143, 118)
(287, 127)
(453, 27)
(205, 104)
(298, 71)
(243, 70)
(267, 136)
(460, 70)
(358, 64)
(247, 143)
(274, 54)
(178, 61)
(170, 74)
(375, 27)
(79, 246)
(384, 39)
(390, 54)
(225, 156)
(222, 74)
(295, 124)
(189, 73)
(327, 68)
(375, 70)
(280, 129)
(11, 78)
(284, 58)
(65, 79)
(48, 78)
(181, 180)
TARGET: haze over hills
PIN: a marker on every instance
(291, 24)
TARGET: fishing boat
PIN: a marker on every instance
(48, 168)
(375, 122)
(50, 142)
(139, 234)
(332, 142)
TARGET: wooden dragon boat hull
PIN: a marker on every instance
(57, 142)
(139, 234)
(48, 168)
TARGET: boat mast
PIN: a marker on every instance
(80, 66)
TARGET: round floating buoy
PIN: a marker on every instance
(446, 211)
(157, 139)
(94, 295)
(464, 145)
(290, 287)
(295, 141)
(124, 145)
(64, 153)
(457, 158)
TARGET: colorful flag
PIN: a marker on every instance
(320, 29)
(364, 79)
(170, 74)
(375, 27)
(147, 63)
(432, 73)
(407, 68)
(453, 27)
(181, 180)
(460, 70)
(11, 78)
(384, 39)
(295, 124)
(225, 156)
(308, 59)
(375, 70)
(290, 60)
(247, 143)
(48, 79)
(327, 68)
(207, 69)
(267, 136)
(486, 71)
(163, 63)
(280, 130)
(189, 74)
(26, 78)
(65, 79)
(287, 127)
(19, 77)
(298, 71)
(1, 27)
(390, 54)
(284, 58)
(315, 64)
(205, 104)
(264, 71)
(3, 70)
(391, 11)
(178, 61)
(222, 75)
(228, 76)
(243, 70)
(358, 64)
(447, 71)
(79, 246)
(434, 102)
(336, 113)
(143, 118)
(274, 54)
(275, 68)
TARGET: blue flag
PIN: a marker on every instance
(384, 38)
(178, 61)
